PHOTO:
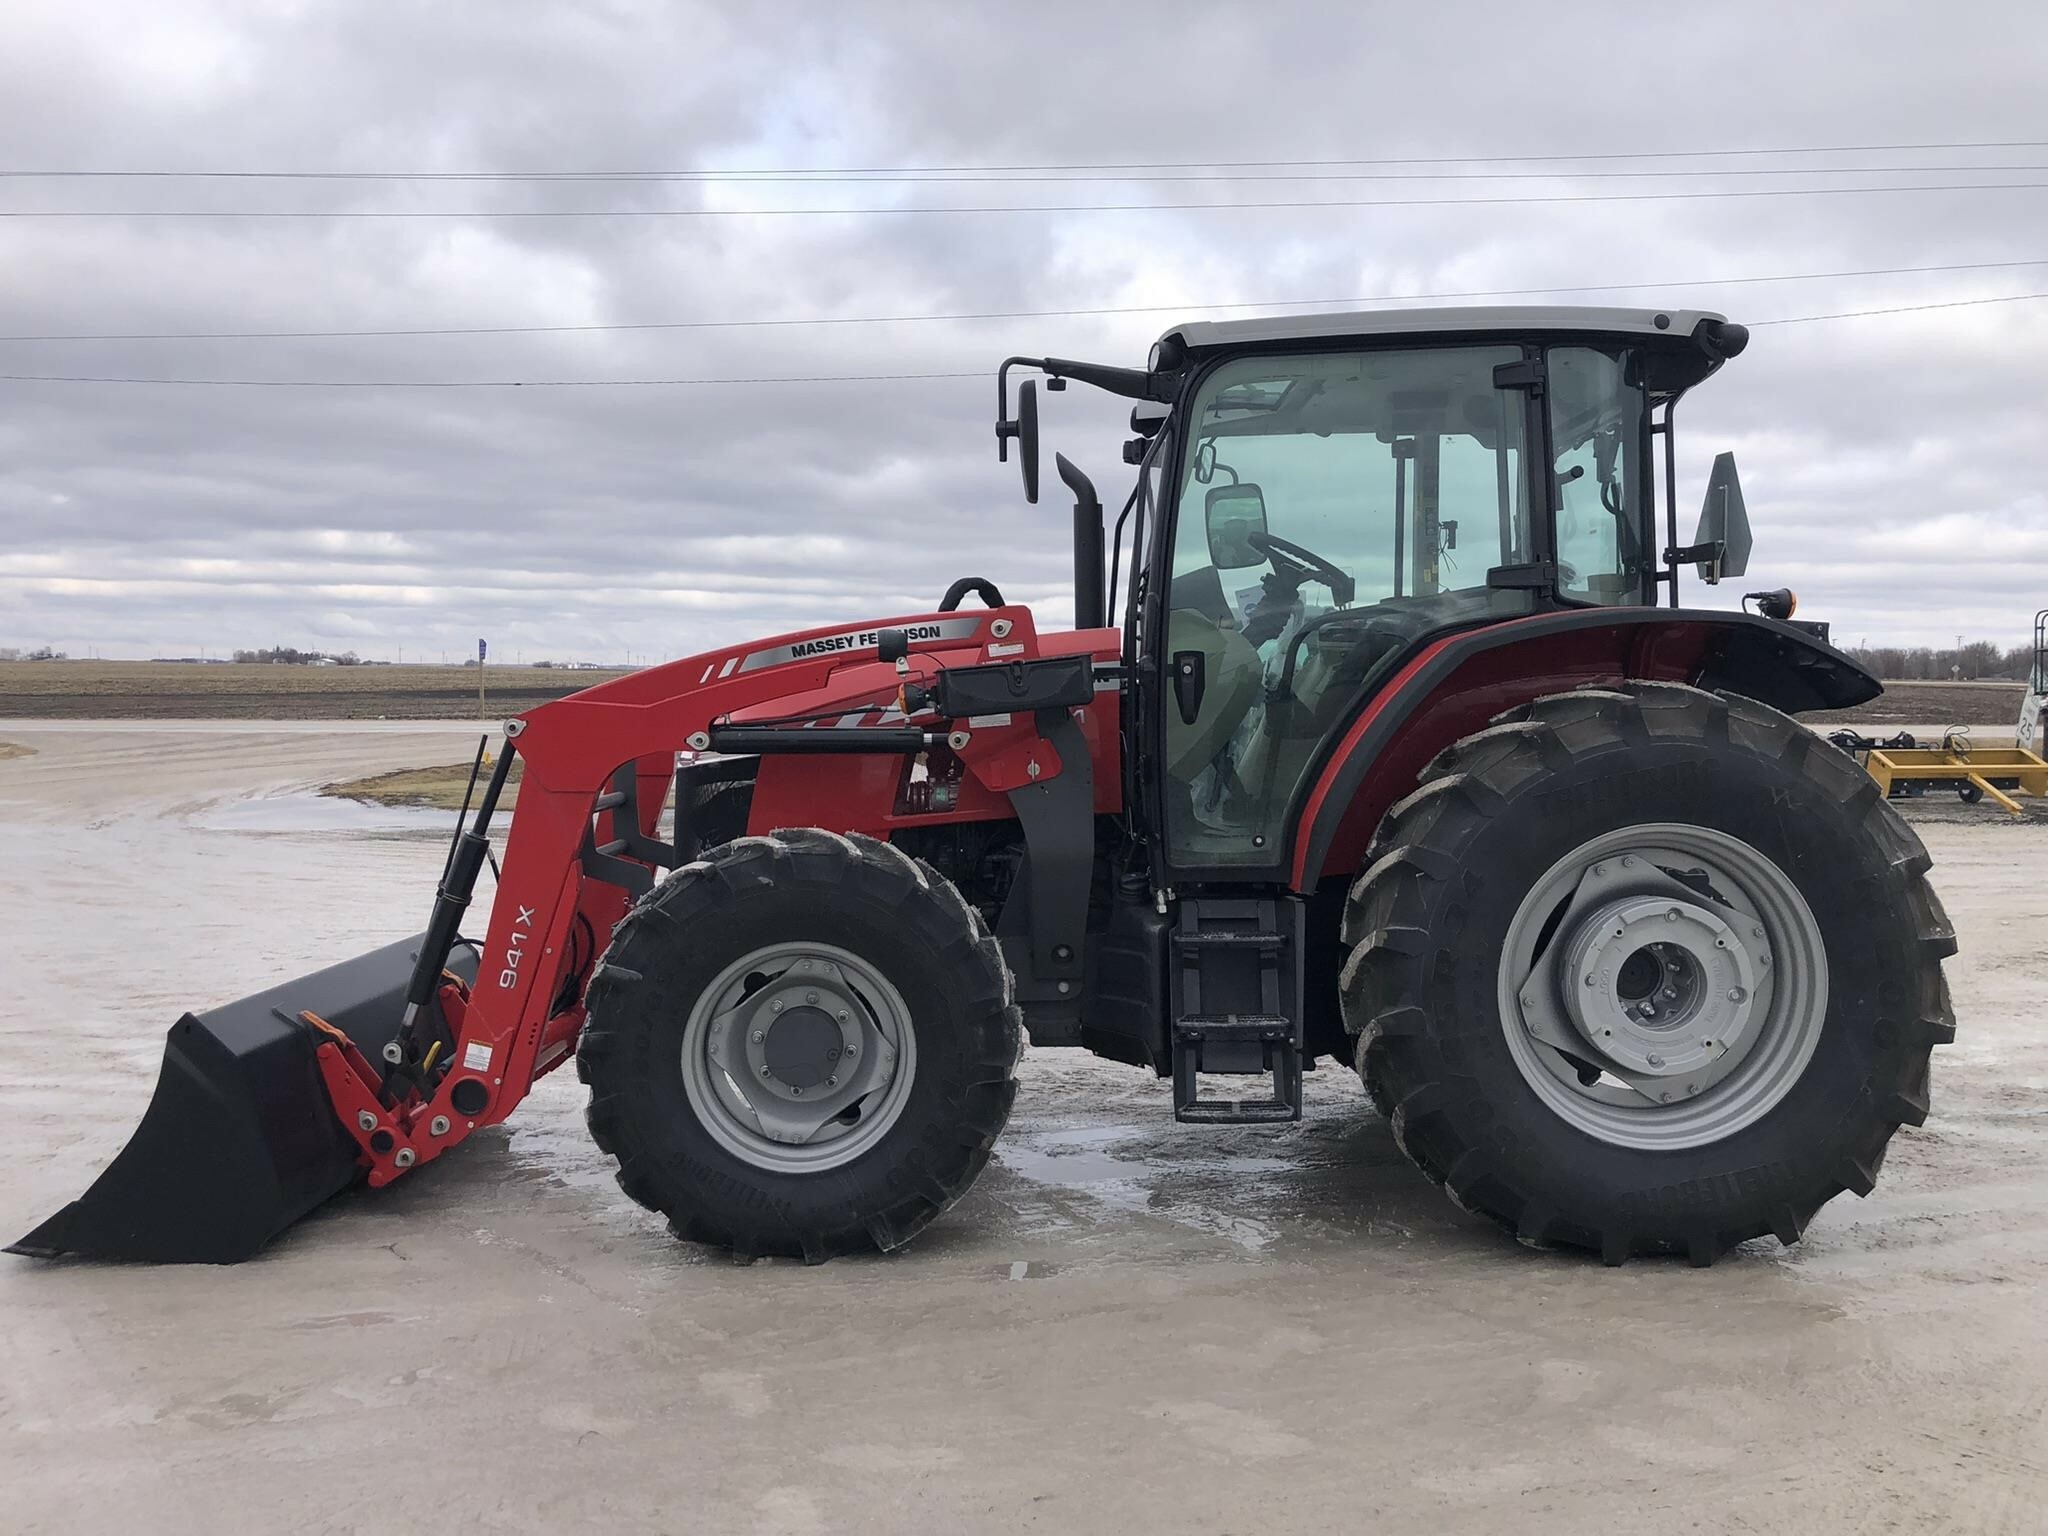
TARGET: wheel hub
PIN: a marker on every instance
(802, 1047)
(800, 1055)
(1662, 985)
(1665, 986)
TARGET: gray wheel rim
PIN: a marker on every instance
(799, 1057)
(1682, 964)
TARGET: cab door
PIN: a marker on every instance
(1332, 507)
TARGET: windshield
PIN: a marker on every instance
(1333, 506)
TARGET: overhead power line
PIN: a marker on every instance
(1008, 314)
(1901, 309)
(696, 173)
(827, 378)
(1497, 200)
(1084, 178)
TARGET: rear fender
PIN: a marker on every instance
(1455, 684)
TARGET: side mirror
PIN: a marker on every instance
(1721, 546)
(1205, 462)
(1233, 513)
(1024, 428)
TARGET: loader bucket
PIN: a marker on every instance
(240, 1139)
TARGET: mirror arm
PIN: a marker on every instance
(1692, 554)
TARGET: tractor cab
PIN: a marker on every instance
(1319, 493)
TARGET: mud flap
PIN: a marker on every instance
(240, 1139)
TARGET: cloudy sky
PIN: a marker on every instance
(1894, 465)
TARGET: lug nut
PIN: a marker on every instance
(1736, 994)
(405, 1157)
(795, 1092)
(764, 1072)
(853, 1050)
(438, 1126)
(1591, 982)
(1628, 861)
(776, 1006)
(1654, 1060)
(842, 1015)
(831, 1082)
(1671, 916)
(810, 997)
(759, 1036)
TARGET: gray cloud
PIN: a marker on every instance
(1894, 466)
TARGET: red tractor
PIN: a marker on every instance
(1392, 757)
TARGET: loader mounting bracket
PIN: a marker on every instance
(1044, 923)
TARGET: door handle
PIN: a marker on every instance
(1190, 681)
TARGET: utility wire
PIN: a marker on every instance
(1008, 314)
(1083, 178)
(959, 208)
(826, 378)
(1901, 309)
(692, 174)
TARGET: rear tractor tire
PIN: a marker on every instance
(800, 1045)
(1647, 971)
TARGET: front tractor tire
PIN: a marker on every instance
(1647, 971)
(800, 1045)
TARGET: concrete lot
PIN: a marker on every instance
(1127, 1327)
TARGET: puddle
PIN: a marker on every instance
(1216, 1195)
(301, 811)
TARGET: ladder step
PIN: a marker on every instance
(1236, 984)
(1235, 1112)
(1230, 939)
(1233, 1026)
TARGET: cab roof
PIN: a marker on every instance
(1694, 342)
(1675, 324)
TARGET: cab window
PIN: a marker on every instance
(1596, 431)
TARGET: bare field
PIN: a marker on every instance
(168, 690)
(1931, 706)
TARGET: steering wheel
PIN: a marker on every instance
(1291, 560)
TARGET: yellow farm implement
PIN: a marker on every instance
(1901, 766)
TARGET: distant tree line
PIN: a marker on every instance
(1979, 661)
(288, 656)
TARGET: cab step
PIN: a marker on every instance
(1237, 1006)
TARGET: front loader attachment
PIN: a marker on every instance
(241, 1138)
